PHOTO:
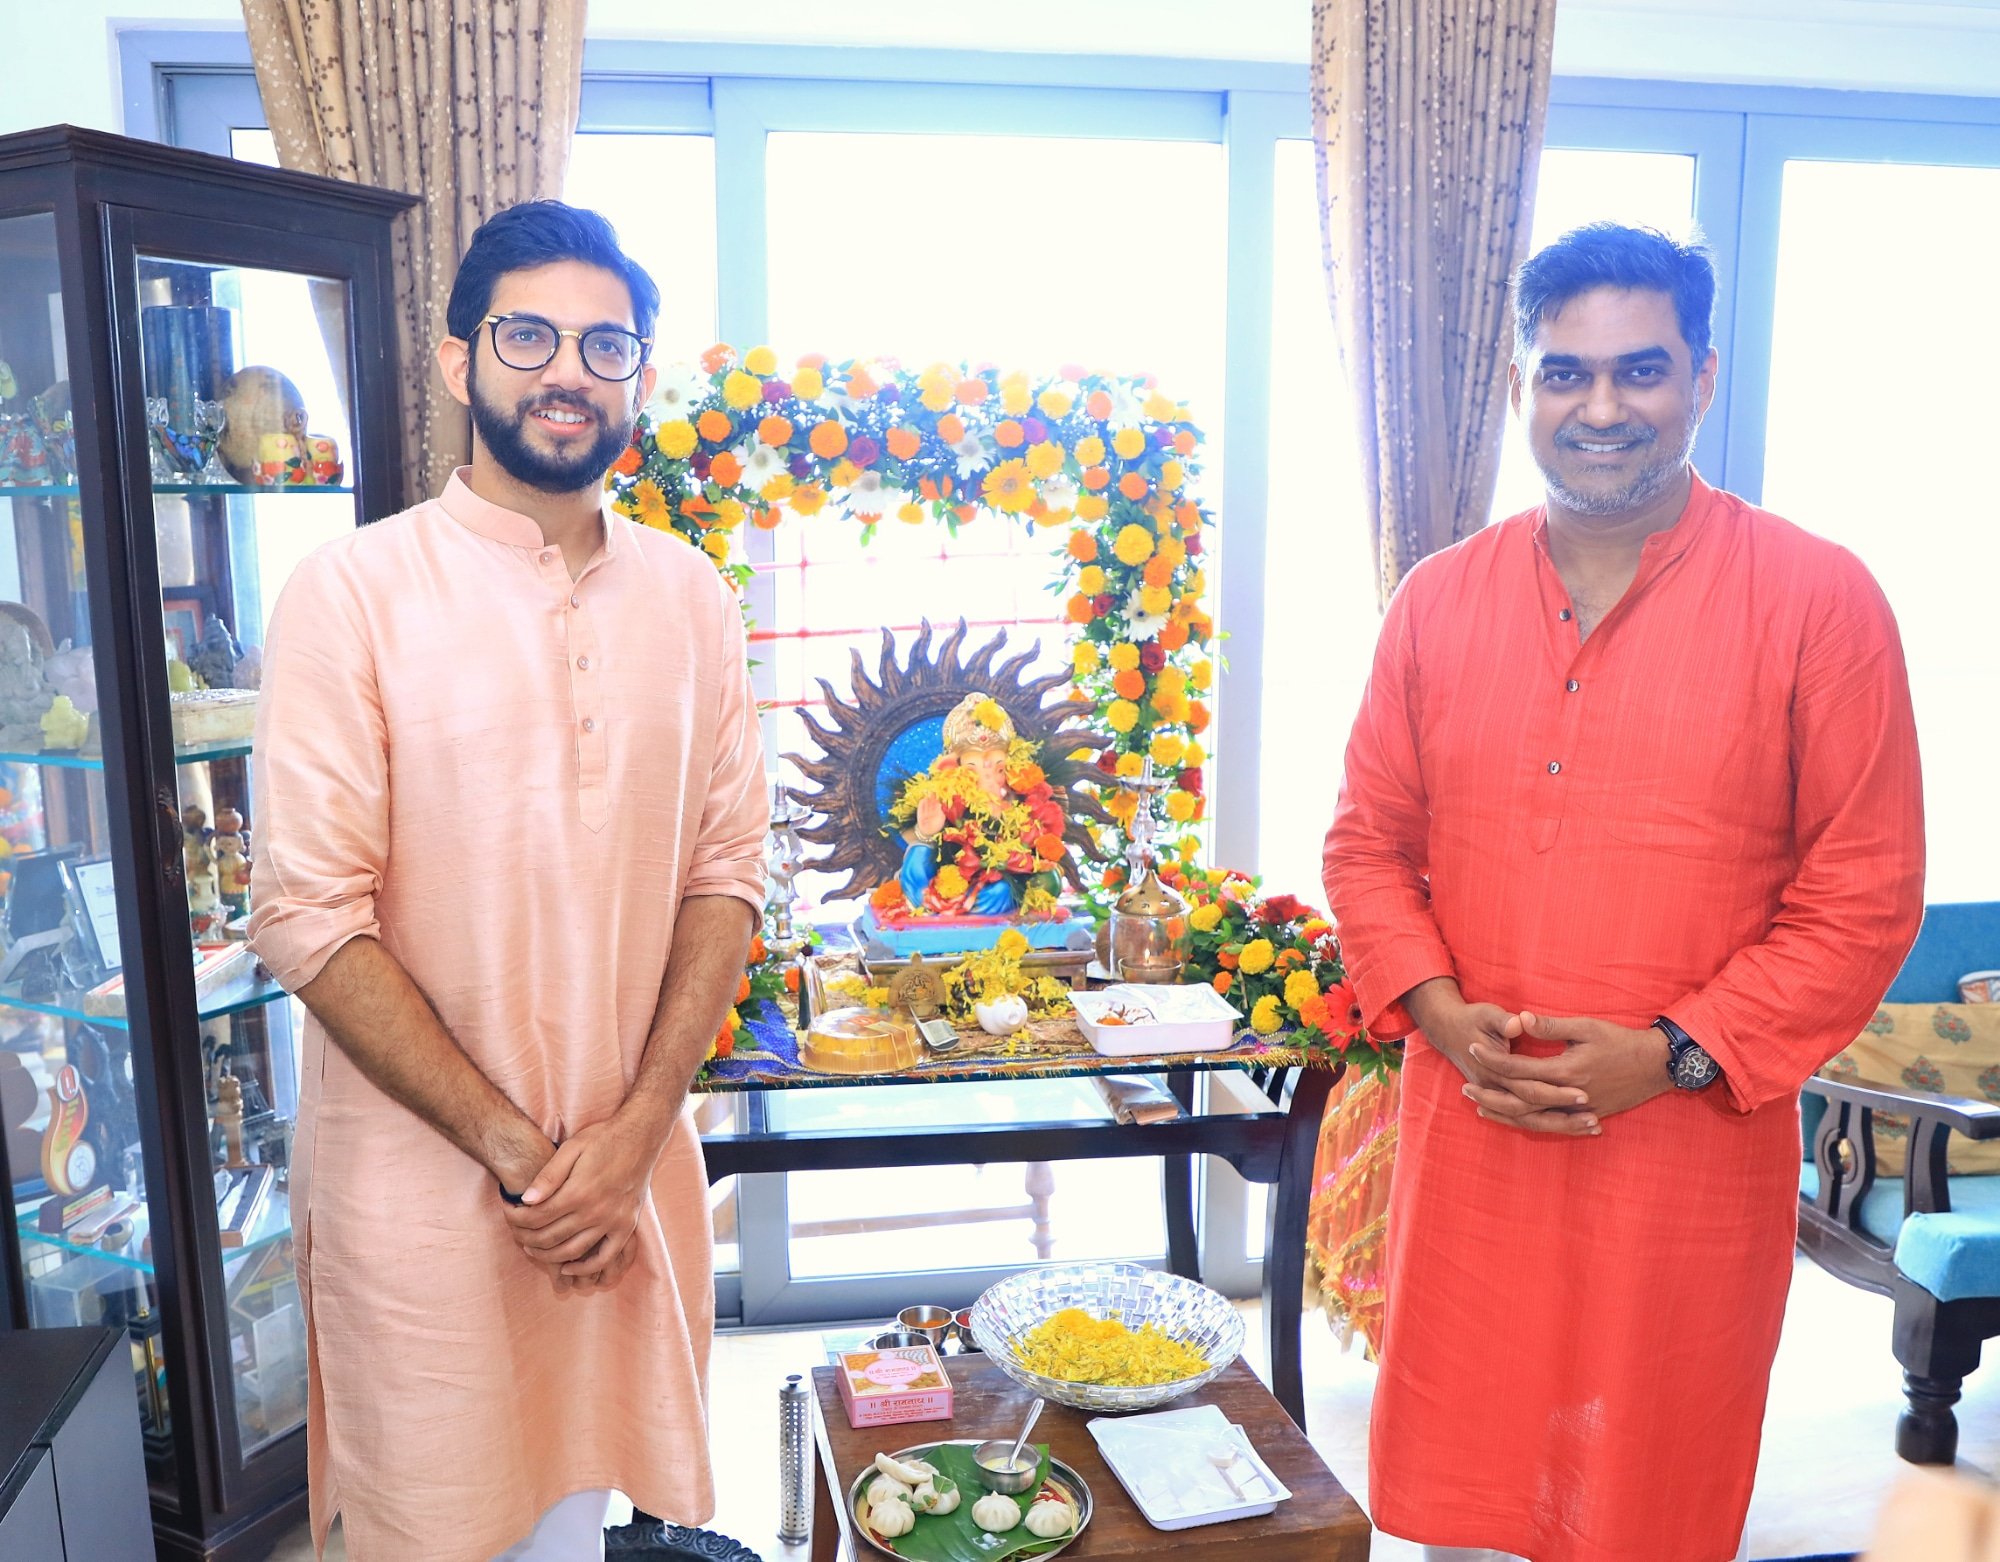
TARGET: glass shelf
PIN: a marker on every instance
(186, 754)
(43, 491)
(273, 1224)
(265, 490)
(246, 991)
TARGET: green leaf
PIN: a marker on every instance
(953, 1537)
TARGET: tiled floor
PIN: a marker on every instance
(1828, 1457)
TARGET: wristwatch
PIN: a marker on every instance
(1690, 1065)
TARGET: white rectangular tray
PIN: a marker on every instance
(1120, 1441)
(1192, 1018)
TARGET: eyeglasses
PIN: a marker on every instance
(530, 342)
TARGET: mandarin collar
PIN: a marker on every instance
(1668, 543)
(497, 523)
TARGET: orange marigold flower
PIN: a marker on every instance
(743, 988)
(775, 430)
(718, 357)
(1190, 519)
(1083, 546)
(628, 461)
(1225, 959)
(860, 383)
(1080, 610)
(1099, 405)
(1173, 635)
(725, 470)
(757, 949)
(1184, 443)
(1159, 570)
(829, 440)
(904, 442)
(1197, 716)
(1224, 980)
(766, 517)
(951, 428)
(1010, 434)
(970, 393)
(1130, 684)
(714, 425)
(1133, 485)
(1049, 845)
(966, 513)
(1096, 478)
(792, 980)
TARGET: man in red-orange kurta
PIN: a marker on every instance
(1630, 842)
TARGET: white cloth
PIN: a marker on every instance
(571, 1531)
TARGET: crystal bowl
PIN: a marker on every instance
(1184, 1310)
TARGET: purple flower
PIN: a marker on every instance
(1035, 429)
(863, 451)
(800, 467)
(1163, 436)
(776, 390)
(890, 393)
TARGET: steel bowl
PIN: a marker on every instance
(990, 1458)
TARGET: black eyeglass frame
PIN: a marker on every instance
(494, 322)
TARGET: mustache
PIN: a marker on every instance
(1570, 438)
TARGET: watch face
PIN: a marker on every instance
(1693, 1068)
(82, 1167)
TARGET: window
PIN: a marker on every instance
(659, 192)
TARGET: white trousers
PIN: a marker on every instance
(1475, 1554)
(571, 1531)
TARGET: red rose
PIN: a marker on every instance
(1152, 656)
(1102, 603)
(1189, 780)
(1107, 762)
(1194, 547)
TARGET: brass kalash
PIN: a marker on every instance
(1149, 936)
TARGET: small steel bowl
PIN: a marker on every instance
(989, 1455)
(897, 1339)
(930, 1323)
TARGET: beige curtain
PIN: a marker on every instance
(468, 104)
(1427, 115)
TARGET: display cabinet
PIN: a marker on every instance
(196, 389)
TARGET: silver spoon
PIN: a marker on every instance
(1027, 1426)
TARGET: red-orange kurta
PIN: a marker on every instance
(1710, 809)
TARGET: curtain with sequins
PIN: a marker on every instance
(1427, 117)
(468, 104)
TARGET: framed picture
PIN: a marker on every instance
(93, 904)
(181, 617)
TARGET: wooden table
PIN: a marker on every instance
(1320, 1523)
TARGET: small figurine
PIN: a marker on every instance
(214, 657)
(24, 690)
(198, 858)
(229, 1118)
(323, 454)
(64, 727)
(232, 861)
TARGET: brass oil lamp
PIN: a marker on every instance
(1150, 936)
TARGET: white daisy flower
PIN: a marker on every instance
(761, 463)
(1059, 492)
(870, 499)
(1140, 624)
(975, 454)
(680, 388)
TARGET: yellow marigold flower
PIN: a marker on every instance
(1172, 707)
(1301, 987)
(1128, 442)
(1194, 756)
(716, 546)
(676, 439)
(809, 384)
(843, 474)
(809, 500)
(1174, 551)
(1206, 918)
(876, 997)
(650, 504)
(1050, 519)
(761, 360)
(950, 883)
(1264, 1015)
(1168, 748)
(1180, 807)
(1008, 487)
(1155, 599)
(1055, 404)
(729, 514)
(1090, 580)
(1131, 766)
(937, 397)
(1015, 397)
(1122, 805)
(1172, 475)
(1197, 584)
(1092, 507)
(989, 715)
(1171, 679)
(742, 391)
(1090, 451)
(777, 489)
(1122, 716)
(1161, 408)
(911, 514)
(1124, 657)
(1257, 957)
(1202, 676)
(1013, 943)
(1134, 545)
(1083, 657)
(1045, 459)
(1190, 844)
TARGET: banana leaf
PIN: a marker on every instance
(953, 1537)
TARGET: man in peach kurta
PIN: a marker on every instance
(511, 810)
(1630, 843)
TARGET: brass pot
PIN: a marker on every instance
(1150, 936)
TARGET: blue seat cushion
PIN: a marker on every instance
(1957, 937)
(1952, 1256)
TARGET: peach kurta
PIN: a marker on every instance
(1710, 809)
(512, 779)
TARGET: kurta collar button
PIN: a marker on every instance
(583, 664)
(589, 724)
(1572, 686)
(546, 557)
(1564, 615)
(1555, 765)
(575, 600)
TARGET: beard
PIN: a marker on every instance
(1664, 460)
(504, 432)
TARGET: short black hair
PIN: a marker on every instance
(1608, 254)
(539, 233)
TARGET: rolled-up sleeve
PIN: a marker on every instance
(729, 851)
(321, 789)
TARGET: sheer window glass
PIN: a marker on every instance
(1575, 186)
(1903, 479)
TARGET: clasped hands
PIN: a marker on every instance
(579, 1211)
(1603, 1068)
